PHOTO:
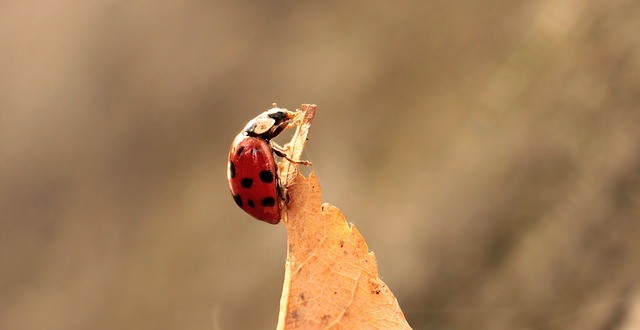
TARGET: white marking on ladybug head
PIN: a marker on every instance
(261, 124)
(269, 123)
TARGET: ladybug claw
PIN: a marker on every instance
(281, 152)
(300, 162)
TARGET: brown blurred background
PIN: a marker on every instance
(488, 151)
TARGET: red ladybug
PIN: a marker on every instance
(252, 170)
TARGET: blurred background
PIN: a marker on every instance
(488, 151)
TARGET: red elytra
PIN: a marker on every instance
(251, 167)
(252, 178)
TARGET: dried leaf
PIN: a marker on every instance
(331, 278)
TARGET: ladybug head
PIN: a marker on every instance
(269, 124)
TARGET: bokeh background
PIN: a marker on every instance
(488, 151)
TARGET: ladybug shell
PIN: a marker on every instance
(252, 178)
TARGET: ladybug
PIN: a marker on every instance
(252, 169)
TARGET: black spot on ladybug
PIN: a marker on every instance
(238, 199)
(266, 176)
(232, 169)
(250, 203)
(240, 150)
(246, 182)
(269, 201)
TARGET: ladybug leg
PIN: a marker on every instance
(280, 151)
(277, 149)
(282, 193)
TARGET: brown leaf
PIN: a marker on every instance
(331, 278)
